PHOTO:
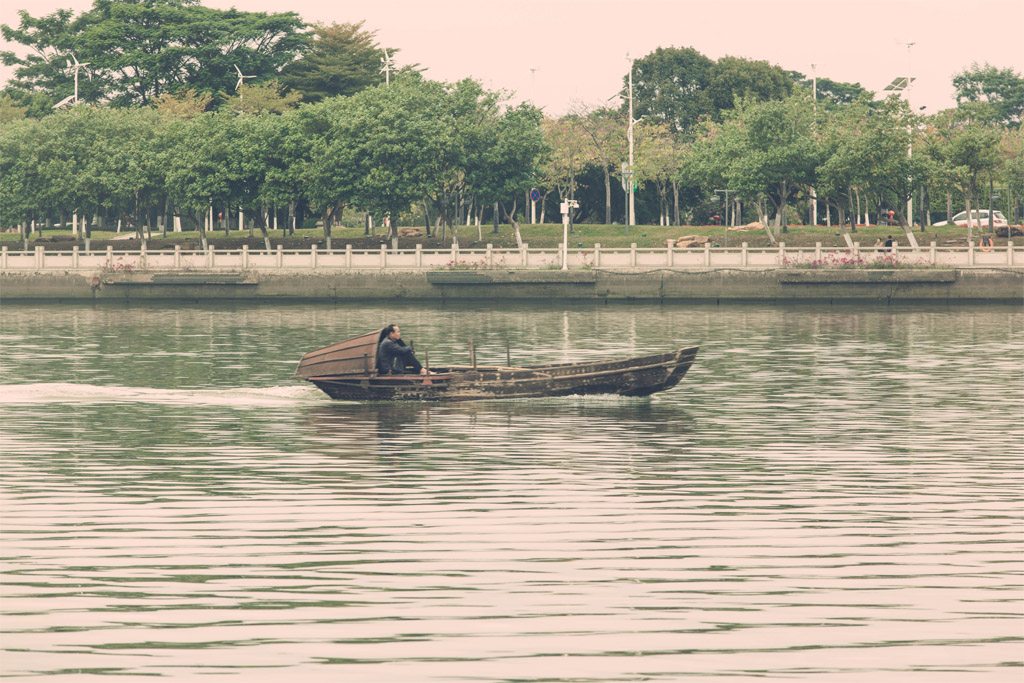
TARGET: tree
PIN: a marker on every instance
(263, 97)
(1001, 88)
(571, 151)
(606, 129)
(509, 159)
(735, 77)
(833, 93)
(339, 59)
(966, 143)
(657, 160)
(671, 85)
(768, 149)
(139, 49)
(843, 165)
(9, 109)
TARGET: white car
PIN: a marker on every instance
(978, 218)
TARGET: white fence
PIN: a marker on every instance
(455, 258)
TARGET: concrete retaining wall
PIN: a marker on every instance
(1005, 285)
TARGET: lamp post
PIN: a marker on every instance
(567, 206)
(725, 223)
(629, 134)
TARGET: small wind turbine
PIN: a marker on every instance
(77, 65)
(240, 77)
(389, 66)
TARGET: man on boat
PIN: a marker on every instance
(395, 356)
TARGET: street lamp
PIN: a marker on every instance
(725, 223)
(567, 206)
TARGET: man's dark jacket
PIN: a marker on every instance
(394, 356)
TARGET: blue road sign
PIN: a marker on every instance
(535, 194)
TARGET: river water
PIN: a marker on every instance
(831, 494)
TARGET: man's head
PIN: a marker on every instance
(393, 333)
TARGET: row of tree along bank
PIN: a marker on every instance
(162, 134)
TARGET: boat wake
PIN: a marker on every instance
(64, 392)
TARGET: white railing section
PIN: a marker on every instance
(596, 257)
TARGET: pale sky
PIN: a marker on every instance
(560, 53)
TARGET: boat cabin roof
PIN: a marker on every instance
(353, 356)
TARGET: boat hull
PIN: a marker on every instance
(626, 377)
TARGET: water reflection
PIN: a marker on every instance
(830, 494)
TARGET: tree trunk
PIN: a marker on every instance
(970, 223)
(762, 216)
(675, 203)
(511, 215)
(607, 195)
(426, 217)
(496, 216)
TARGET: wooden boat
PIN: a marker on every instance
(348, 370)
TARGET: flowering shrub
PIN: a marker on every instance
(465, 265)
(848, 259)
(118, 266)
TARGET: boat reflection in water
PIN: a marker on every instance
(517, 429)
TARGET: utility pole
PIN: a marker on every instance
(631, 220)
(910, 145)
(814, 93)
(389, 66)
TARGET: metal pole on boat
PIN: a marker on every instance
(472, 354)
(508, 355)
(426, 360)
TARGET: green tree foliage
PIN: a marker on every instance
(736, 77)
(671, 85)
(266, 97)
(340, 59)
(680, 86)
(768, 149)
(10, 110)
(139, 49)
(606, 129)
(965, 143)
(833, 93)
(1002, 88)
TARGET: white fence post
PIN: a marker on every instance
(142, 255)
(177, 256)
(348, 256)
(419, 255)
(526, 255)
(597, 254)
(490, 255)
(817, 251)
(245, 256)
(856, 250)
(743, 254)
(3, 258)
(312, 256)
(970, 253)
(1009, 252)
(669, 255)
(383, 256)
(110, 255)
(74, 256)
(40, 257)
(632, 255)
(280, 256)
(934, 255)
(210, 258)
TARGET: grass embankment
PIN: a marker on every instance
(537, 236)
